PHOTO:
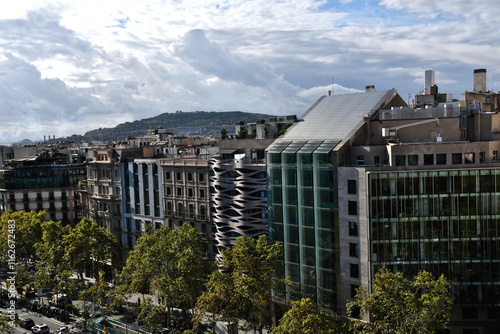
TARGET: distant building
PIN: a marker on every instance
(47, 181)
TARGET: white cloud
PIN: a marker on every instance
(91, 64)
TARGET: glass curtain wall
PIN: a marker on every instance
(445, 222)
(302, 216)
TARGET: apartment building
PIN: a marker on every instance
(186, 197)
(47, 181)
(238, 182)
(104, 190)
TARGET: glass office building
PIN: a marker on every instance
(302, 216)
(446, 222)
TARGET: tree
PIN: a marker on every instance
(88, 247)
(22, 229)
(7, 324)
(304, 318)
(242, 134)
(223, 133)
(241, 289)
(50, 249)
(170, 262)
(397, 305)
(152, 314)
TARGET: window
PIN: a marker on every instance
(428, 159)
(190, 176)
(376, 160)
(469, 158)
(167, 175)
(353, 249)
(190, 192)
(351, 186)
(352, 207)
(178, 176)
(361, 160)
(201, 177)
(202, 193)
(354, 288)
(169, 191)
(354, 270)
(482, 156)
(495, 155)
(179, 191)
(456, 158)
(413, 160)
(400, 160)
(441, 159)
(353, 229)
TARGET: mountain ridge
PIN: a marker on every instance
(181, 123)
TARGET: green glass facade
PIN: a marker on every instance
(441, 221)
(302, 216)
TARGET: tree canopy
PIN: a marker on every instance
(241, 289)
(304, 318)
(398, 305)
(170, 262)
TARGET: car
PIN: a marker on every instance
(63, 330)
(42, 329)
(26, 323)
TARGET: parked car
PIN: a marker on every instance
(26, 323)
(63, 330)
(42, 329)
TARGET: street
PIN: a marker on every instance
(53, 324)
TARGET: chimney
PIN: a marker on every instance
(429, 81)
(370, 88)
(480, 80)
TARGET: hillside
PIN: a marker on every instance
(197, 122)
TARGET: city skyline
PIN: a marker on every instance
(68, 67)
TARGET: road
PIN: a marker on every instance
(53, 324)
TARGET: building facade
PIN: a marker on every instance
(238, 182)
(365, 182)
(46, 182)
(186, 197)
(143, 205)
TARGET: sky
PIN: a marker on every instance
(67, 67)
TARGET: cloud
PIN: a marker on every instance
(67, 67)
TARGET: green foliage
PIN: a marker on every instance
(152, 314)
(282, 131)
(397, 305)
(242, 134)
(7, 325)
(23, 230)
(241, 289)
(304, 318)
(171, 262)
(88, 247)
